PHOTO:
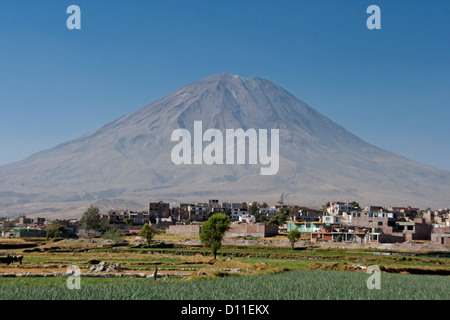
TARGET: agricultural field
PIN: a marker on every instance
(169, 269)
(291, 285)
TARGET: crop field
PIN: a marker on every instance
(239, 272)
(291, 285)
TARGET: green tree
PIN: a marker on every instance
(253, 209)
(213, 230)
(264, 205)
(128, 221)
(91, 219)
(113, 234)
(278, 219)
(148, 232)
(8, 225)
(54, 230)
(355, 204)
(293, 236)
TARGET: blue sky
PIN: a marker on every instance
(390, 87)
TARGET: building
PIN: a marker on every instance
(198, 212)
(411, 230)
(441, 236)
(405, 211)
(331, 219)
(378, 222)
(28, 232)
(247, 218)
(338, 208)
(304, 226)
(268, 213)
(391, 229)
(159, 210)
(236, 214)
(344, 234)
(114, 216)
(24, 221)
(140, 217)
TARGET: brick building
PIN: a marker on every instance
(441, 236)
(159, 210)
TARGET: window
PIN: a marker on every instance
(359, 214)
(410, 228)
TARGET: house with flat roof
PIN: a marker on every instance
(304, 226)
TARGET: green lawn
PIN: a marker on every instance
(292, 285)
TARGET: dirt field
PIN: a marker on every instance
(184, 257)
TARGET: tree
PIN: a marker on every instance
(8, 225)
(213, 230)
(148, 232)
(54, 230)
(91, 219)
(113, 234)
(128, 221)
(278, 219)
(253, 209)
(355, 204)
(293, 236)
(264, 205)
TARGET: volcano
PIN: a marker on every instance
(128, 162)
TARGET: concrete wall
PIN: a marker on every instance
(236, 230)
(251, 229)
(184, 229)
(391, 238)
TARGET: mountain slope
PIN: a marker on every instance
(130, 158)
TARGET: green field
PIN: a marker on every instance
(291, 285)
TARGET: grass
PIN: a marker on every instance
(292, 285)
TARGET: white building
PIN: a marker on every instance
(246, 218)
(331, 219)
(237, 213)
(338, 208)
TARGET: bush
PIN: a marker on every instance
(113, 234)
(293, 236)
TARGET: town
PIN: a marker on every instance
(334, 222)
